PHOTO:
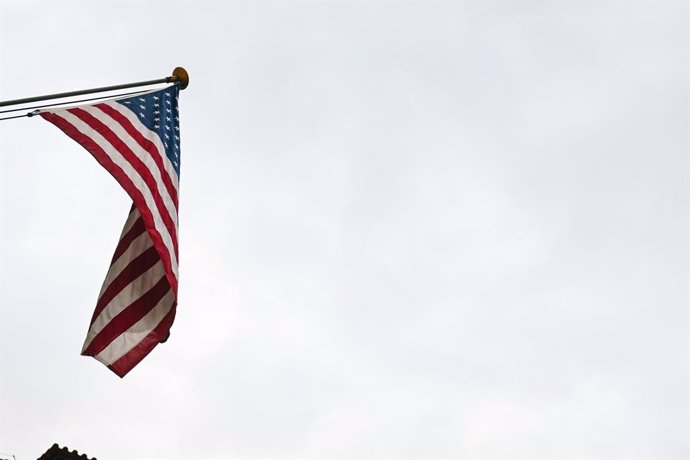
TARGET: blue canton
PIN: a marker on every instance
(159, 112)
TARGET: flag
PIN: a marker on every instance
(137, 140)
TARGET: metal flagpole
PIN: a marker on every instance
(179, 75)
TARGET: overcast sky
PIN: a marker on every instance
(409, 230)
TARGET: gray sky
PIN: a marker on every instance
(408, 230)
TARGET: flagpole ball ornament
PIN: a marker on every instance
(181, 77)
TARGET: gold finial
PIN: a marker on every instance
(181, 76)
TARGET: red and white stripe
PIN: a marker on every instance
(136, 306)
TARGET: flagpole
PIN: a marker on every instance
(179, 75)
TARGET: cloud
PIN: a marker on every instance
(439, 231)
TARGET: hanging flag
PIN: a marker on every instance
(137, 140)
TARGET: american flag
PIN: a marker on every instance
(137, 140)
